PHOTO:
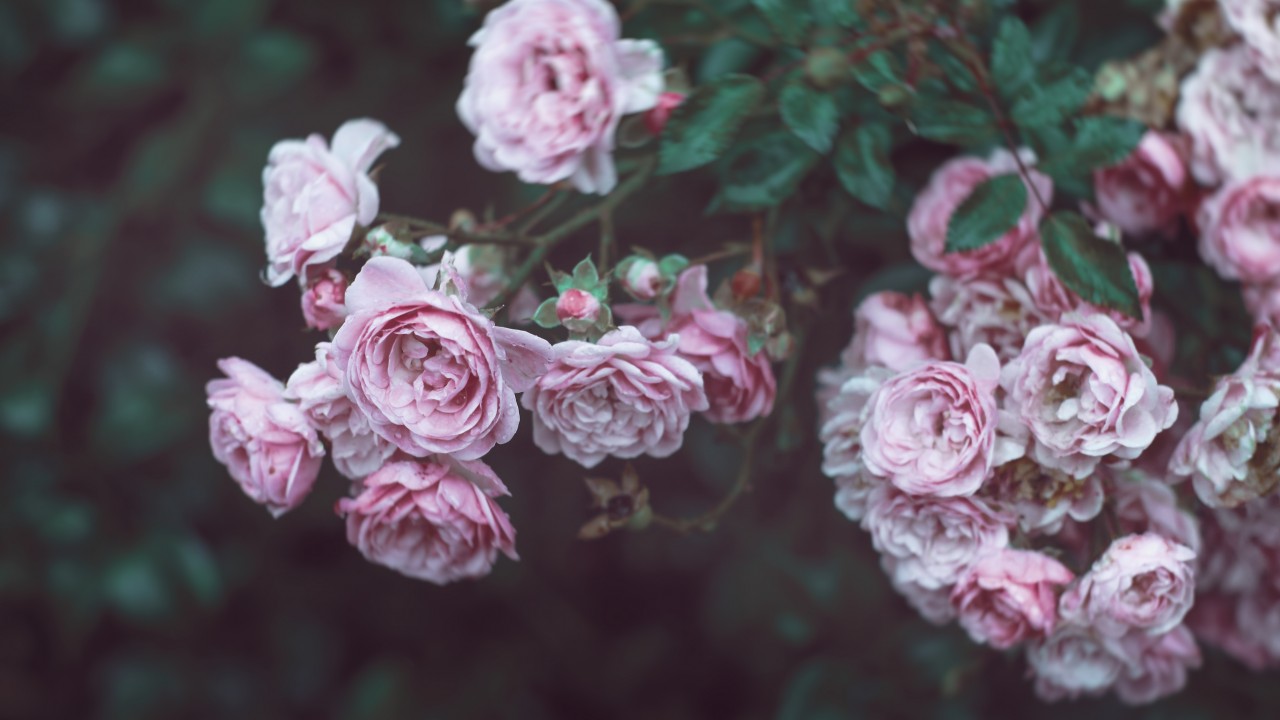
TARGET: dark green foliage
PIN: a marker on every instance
(810, 113)
(702, 127)
(1092, 267)
(863, 166)
(989, 212)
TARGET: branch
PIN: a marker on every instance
(706, 522)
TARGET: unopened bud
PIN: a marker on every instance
(575, 304)
(657, 117)
(745, 284)
(641, 277)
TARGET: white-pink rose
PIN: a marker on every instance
(317, 388)
(1144, 582)
(846, 412)
(932, 430)
(623, 396)
(933, 603)
(897, 331)
(996, 311)
(1255, 21)
(1073, 661)
(1085, 393)
(1263, 302)
(1143, 504)
(1010, 596)
(1229, 109)
(431, 373)
(950, 185)
(1240, 229)
(433, 519)
(1146, 191)
(323, 300)
(1156, 666)
(266, 443)
(316, 195)
(547, 85)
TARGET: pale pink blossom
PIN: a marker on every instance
(1144, 504)
(841, 435)
(1146, 191)
(266, 443)
(1053, 299)
(897, 331)
(622, 396)
(996, 311)
(933, 430)
(1144, 582)
(1263, 302)
(1073, 662)
(317, 388)
(323, 300)
(1085, 394)
(316, 195)
(547, 85)
(1256, 22)
(1043, 499)
(1240, 229)
(1229, 108)
(431, 373)
(1010, 596)
(950, 185)
(933, 603)
(433, 519)
(1157, 666)
(1215, 620)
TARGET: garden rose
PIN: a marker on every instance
(841, 435)
(932, 430)
(1214, 620)
(548, 82)
(1085, 394)
(1071, 662)
(1157, 666)
(323, 305)
(431, 373)
(433, 519)
(265, 442)
(316, 195)
(1240, 230)
(934, 541)
(897, 331)
(1141, 581)
(950, 185)
(1009, 596)
(1143, 504)
(997, 311)
(1146, 191)
(1263, 302)
(933, 603)
(1041, 498)
(623, 396)
(1229, 109)
(1255, 21)
(317, 388)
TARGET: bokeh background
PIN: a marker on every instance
(137, 582)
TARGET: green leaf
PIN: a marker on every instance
(789, 19)
(1011, 63)
(701, 127)
(1092, 267)
(765, 172)
(545, 316)
(835, 12)
(991, 210)
(879, 70)
(1049, 104)
(585, 275)
(1054, 34)
(862, 164)
(951, 121)
(810, 113)
(1105, 140)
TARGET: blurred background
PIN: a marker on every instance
(136, 581)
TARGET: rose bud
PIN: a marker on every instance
(641, 277)
(657, 117)
(575, 304)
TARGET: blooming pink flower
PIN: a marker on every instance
(1229, 452)
(1009, 596)
(1214, 619)
(1145, 192)
(657, 117)
(622, 396)
(1229, 108)
(950, 185)
(317, 388)
(575, 304)
(1157, 666)
(1143, 504)
(1240, 229)
(431, 373)
(433, 519)
(1085, 393)
(845, 414)
(1073, 661)
(322, 300)
(897, 331)
(1263, 302)
(1141, 581)
(933, 603)
(1053, 300)
(1043, 499)
(932, 430)
(996, 311)
(548, 82)
(934, 541)
(265, 442)
(316, 195)
(1255, 21)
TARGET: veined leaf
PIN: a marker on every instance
(702, 127)
(991, 210)
(1092, 267)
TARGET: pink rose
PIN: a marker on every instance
(1009, 596)
(657, 117)
(846, 413)
(1043, 499)
(1145, 192)
(265, 442)
(1229, 109)
(1071, 662)
(996, 311)
(1240, 229)
(548, 82)
(322, 301)
(317, 388)
(1053, 299)
(1214, 619)
(316, 195)
(932, 430)
(1263, 303)
(431, 373)
(933, 603)
(950, 185)
(1157, 666)
(623, 396)
(934, 541)
(1141, 581)
(1255, 21)
(1143, 504)
(740, 384)
(433, 519)
(1085, 393)
(575, 304)
(897, 331)
(1230, 453)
